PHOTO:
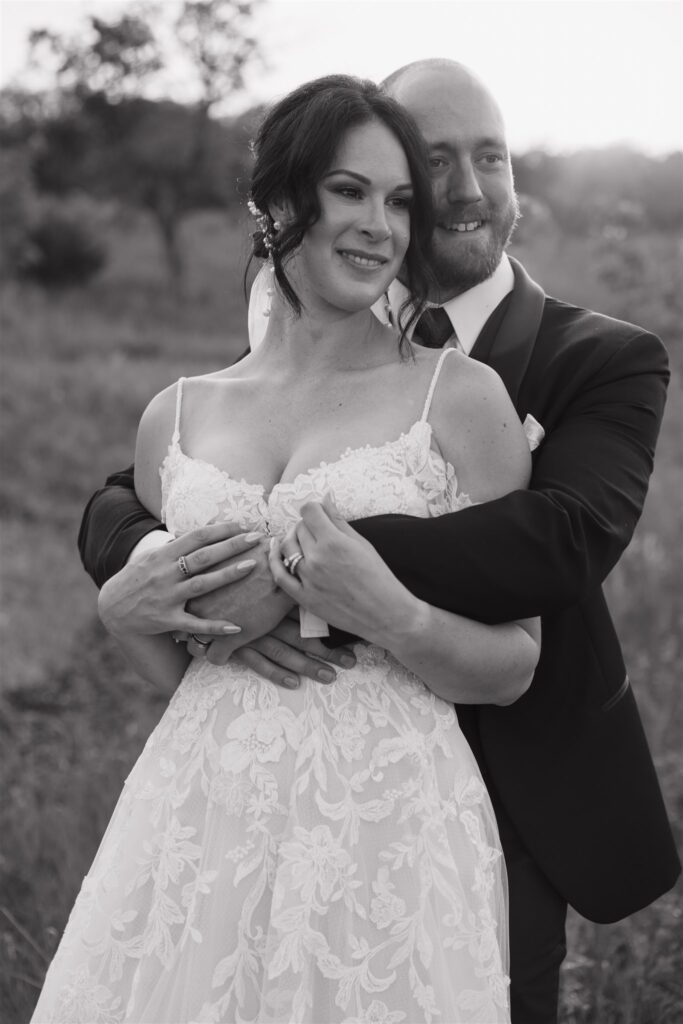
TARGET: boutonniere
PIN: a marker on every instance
(534, 432)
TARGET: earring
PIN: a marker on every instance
(270, 291)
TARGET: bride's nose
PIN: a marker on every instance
(374, 223)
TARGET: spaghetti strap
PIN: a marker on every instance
(432, 386)
(178, 402)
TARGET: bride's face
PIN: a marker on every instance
(351, 254)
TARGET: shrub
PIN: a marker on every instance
(18, 204)
(64, 249)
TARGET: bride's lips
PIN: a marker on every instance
(363, 260)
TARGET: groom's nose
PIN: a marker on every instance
(462, 183)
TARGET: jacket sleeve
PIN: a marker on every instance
(534, 552)
(113, 523)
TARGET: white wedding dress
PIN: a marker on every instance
(326, 854)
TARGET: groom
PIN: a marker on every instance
(579, 808)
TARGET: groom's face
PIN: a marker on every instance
(476, 206)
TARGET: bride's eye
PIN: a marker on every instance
(400, 202)
(348, 191)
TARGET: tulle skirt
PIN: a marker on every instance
(327, 854)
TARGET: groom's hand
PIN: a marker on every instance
(269, 640)
(283, 655)
(254, 601)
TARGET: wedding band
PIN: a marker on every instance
(182, 565)
(289, 559)
(198, 640)
(293, 562)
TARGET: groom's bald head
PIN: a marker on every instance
(418, 68)
(476, 207)
(442, 81)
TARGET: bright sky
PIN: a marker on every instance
(568, 73)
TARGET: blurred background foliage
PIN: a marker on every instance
(123, 247)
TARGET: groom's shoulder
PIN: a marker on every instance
(562, 317)
(576, 330)
(564, 324)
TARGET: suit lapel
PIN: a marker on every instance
(507, 339)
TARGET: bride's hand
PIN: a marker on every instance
(149, 596)
(341, 577)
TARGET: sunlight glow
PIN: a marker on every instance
(568, 73)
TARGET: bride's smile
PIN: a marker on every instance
(355, 249)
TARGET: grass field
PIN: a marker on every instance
(77, 369)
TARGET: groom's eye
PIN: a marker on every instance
(491, 159)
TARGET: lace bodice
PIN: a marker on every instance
(405, 475)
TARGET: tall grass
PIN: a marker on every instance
(78, 368)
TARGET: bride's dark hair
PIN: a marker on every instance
(295, 147)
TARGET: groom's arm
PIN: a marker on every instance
(531, 552)
(534, 552)
(113, 523)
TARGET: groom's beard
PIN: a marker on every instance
(459, 261)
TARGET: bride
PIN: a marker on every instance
(320, 854)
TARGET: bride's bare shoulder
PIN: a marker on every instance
(164, 404)
(160, 410)
(477, 427)
(233, 372)
(468, 389)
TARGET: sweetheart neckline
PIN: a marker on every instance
(323, 464)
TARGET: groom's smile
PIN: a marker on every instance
(463, 227)
(476, 206)
(471, 225)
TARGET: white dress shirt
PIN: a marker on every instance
(467, 312)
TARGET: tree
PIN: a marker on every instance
(215, 35)
(144, 153)
(116, 59)
(108, 137)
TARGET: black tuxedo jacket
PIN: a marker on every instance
(568, 763)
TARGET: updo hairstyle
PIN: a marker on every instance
(295, 147)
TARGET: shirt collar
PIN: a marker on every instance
(467, 312)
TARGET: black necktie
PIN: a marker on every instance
(434, 328)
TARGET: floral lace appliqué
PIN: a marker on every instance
(321, 854)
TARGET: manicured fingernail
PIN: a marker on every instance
(232, 629)
(325, 675)
(248, 563)
(253, 536)
(347, 660)
(291, 681)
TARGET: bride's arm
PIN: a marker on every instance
(155, 657)
(346, 583)
(479, 433)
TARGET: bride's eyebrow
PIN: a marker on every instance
(363, 179)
